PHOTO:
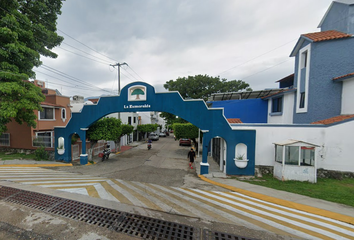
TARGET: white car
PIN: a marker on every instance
(153, 136)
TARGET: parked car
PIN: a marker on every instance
(153, 136)
(162, 134)
(185, 142)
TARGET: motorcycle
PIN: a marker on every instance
(106, 153)
(149, 145)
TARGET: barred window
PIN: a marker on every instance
(5, 139)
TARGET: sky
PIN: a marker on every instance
(162, 40)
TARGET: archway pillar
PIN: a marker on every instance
(66, 156)
(204, 165)
(83, 155)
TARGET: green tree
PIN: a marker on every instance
(104, 129)
(27, 30)
(202, 86)
(171, 119)
(146, 128)
(126, 129)
(186, 130)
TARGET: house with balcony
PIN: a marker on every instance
(55, 112)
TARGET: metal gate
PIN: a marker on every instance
(75, 151)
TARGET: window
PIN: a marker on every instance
(279, 153)
(302, 100)
(47, 113)
(277, 105)
(43, 139)
(134, 119)
(5, 139)
(130, 120)
(63, 113)
(292, 155)
(307, 156)
(303, 79)
(304, 59)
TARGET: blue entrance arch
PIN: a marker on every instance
(140, 97)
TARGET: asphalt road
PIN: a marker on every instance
(165, 164)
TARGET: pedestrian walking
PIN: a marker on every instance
(191, 156)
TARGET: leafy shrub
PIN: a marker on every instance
(41, 154)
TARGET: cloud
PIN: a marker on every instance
(164, 40)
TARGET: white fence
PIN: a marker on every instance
(98, 147)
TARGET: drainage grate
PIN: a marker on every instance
(130, 224)
(7, 191)
(212, 235)
(150, 228)
(34, 200)
(92, 214)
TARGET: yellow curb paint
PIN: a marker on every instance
(37, 165)
(117, 153)
(298, 206)
(88, 164)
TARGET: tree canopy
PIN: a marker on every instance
(105, 129)
(171, 119)
(202, 86)
(185, 130)
(27, 30)
(126, 129)
(145, 128)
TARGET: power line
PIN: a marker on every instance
(267, 68)
(135, 72)
(86, 45)
(85, 52)
(257, 57)
(76, 86)
(69, 77)
(83, 56)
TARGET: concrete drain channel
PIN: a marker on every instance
(122, 222)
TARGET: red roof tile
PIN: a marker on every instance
(234, 120)
(326, 35)
(334, 119)
(346, 75)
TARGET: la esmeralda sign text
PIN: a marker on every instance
(137, 106)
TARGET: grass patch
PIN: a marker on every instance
(13, 156)
(333, 190)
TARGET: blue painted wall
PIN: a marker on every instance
(340, 17)
(194, 111)
(329, 59)
(248, 110)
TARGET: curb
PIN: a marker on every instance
(285, 203)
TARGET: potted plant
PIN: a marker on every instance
(241, 161)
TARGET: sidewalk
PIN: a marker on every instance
(311, 205)
(32, 163)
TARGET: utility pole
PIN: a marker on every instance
(118, 65)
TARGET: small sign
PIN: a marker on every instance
(137, 93)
